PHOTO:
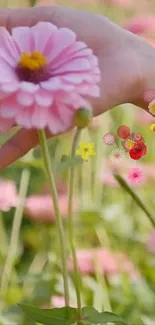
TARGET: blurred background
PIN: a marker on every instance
(115, 240)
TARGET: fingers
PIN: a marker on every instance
(84, 24)
(17, 146)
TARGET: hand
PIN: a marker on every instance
(127, 63)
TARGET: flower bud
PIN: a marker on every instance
(82, 118)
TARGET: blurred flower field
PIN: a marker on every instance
(115, 238)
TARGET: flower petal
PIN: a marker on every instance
(61, 39)
(5, 124)
(8, 48)
(76, 65)
(24, 99)
(6, 73)
(9, 108)
(39, 117)
(52, 84)
(24, 38)
(9, 87)
(29, 87)
(43, 98)
(42, 32)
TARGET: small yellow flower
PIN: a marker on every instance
(152, 107)
(86, 150)
(152, 127)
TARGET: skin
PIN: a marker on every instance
(126, 61)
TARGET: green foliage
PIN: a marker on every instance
(56, 316)
(92, 316)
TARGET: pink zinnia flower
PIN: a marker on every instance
(109, 138)
(108, 262)
(8, 195)
(135, 175)
(39, 208)
(45, 76)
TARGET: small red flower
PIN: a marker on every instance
(138, 150)
(137, 137)
(140, 146)
(123, 132)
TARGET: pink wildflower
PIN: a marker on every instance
(109, 138)
(43, 83)
(59, 301)
(39, 208)
(107, 261)
(141, 25)
(135, 175)
(8, 195)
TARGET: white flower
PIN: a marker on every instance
(117, 156)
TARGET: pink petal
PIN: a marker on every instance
(69, 113)
(24, 99)
(61, 39)
(39, 118)
(5, 124)
(29, 87)
(24, 117)
(73, 51)
(9, 87)
(76, 78)
(93, 61)
(24, 38)
(54, 123)
(6, 73)
(52, 84)
(9, 108)
(76, 65)
(42, 32)
(90, 90)
(43, 98)
(8, 48)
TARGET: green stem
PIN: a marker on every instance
(80, 184)
(70, 227)
(3, 237)
(47, 164)
(103, 288)
(137, 200)
(15, 232)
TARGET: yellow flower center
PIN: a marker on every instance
(129, 144)
(152, 108)
(153, 127)
(32, 61)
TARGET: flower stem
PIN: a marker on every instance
(47, 164)
(70, 227)
(134, 196)
(15, 232)
(3, 236)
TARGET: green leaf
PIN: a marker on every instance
(92, 316)
(135, 197)
(56, 316)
